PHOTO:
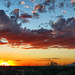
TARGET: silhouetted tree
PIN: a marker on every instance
(52, 63)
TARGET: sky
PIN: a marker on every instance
(36, 32)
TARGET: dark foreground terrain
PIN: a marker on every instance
(37, 70)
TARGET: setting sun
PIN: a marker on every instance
(5, 64)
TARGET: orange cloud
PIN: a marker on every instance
(2, 43)
(40, 8)
(62, 35)
(25, 16)
(22, 2)
(72, 1)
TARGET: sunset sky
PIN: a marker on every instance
(36, 32)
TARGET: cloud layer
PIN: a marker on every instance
(61, 36)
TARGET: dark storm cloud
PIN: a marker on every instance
(61, 36)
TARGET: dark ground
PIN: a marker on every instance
(37, 70)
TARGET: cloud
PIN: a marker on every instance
(22, 2)
(61, 4)
(59, 16)
(62, 34)
(7, 4)
(2, 43)
(25, 16)
(47, 59)
(35, 15)
(47, 2)
(73, 1)
(74, 9)
(52, 5)
(64, 25)
(10, 60)
(40, 8)
(50, 58)
(16, 16)
(17, 60)
(43, 60)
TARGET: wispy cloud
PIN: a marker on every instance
(50, 58)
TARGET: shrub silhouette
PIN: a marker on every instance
(52, 63)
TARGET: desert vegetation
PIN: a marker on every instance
(37, 70)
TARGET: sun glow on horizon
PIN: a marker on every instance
(5, 64)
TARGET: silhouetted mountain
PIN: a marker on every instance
(73, 64)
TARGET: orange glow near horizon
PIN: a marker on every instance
(36, 62)
(23, 57)
(7, 63)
